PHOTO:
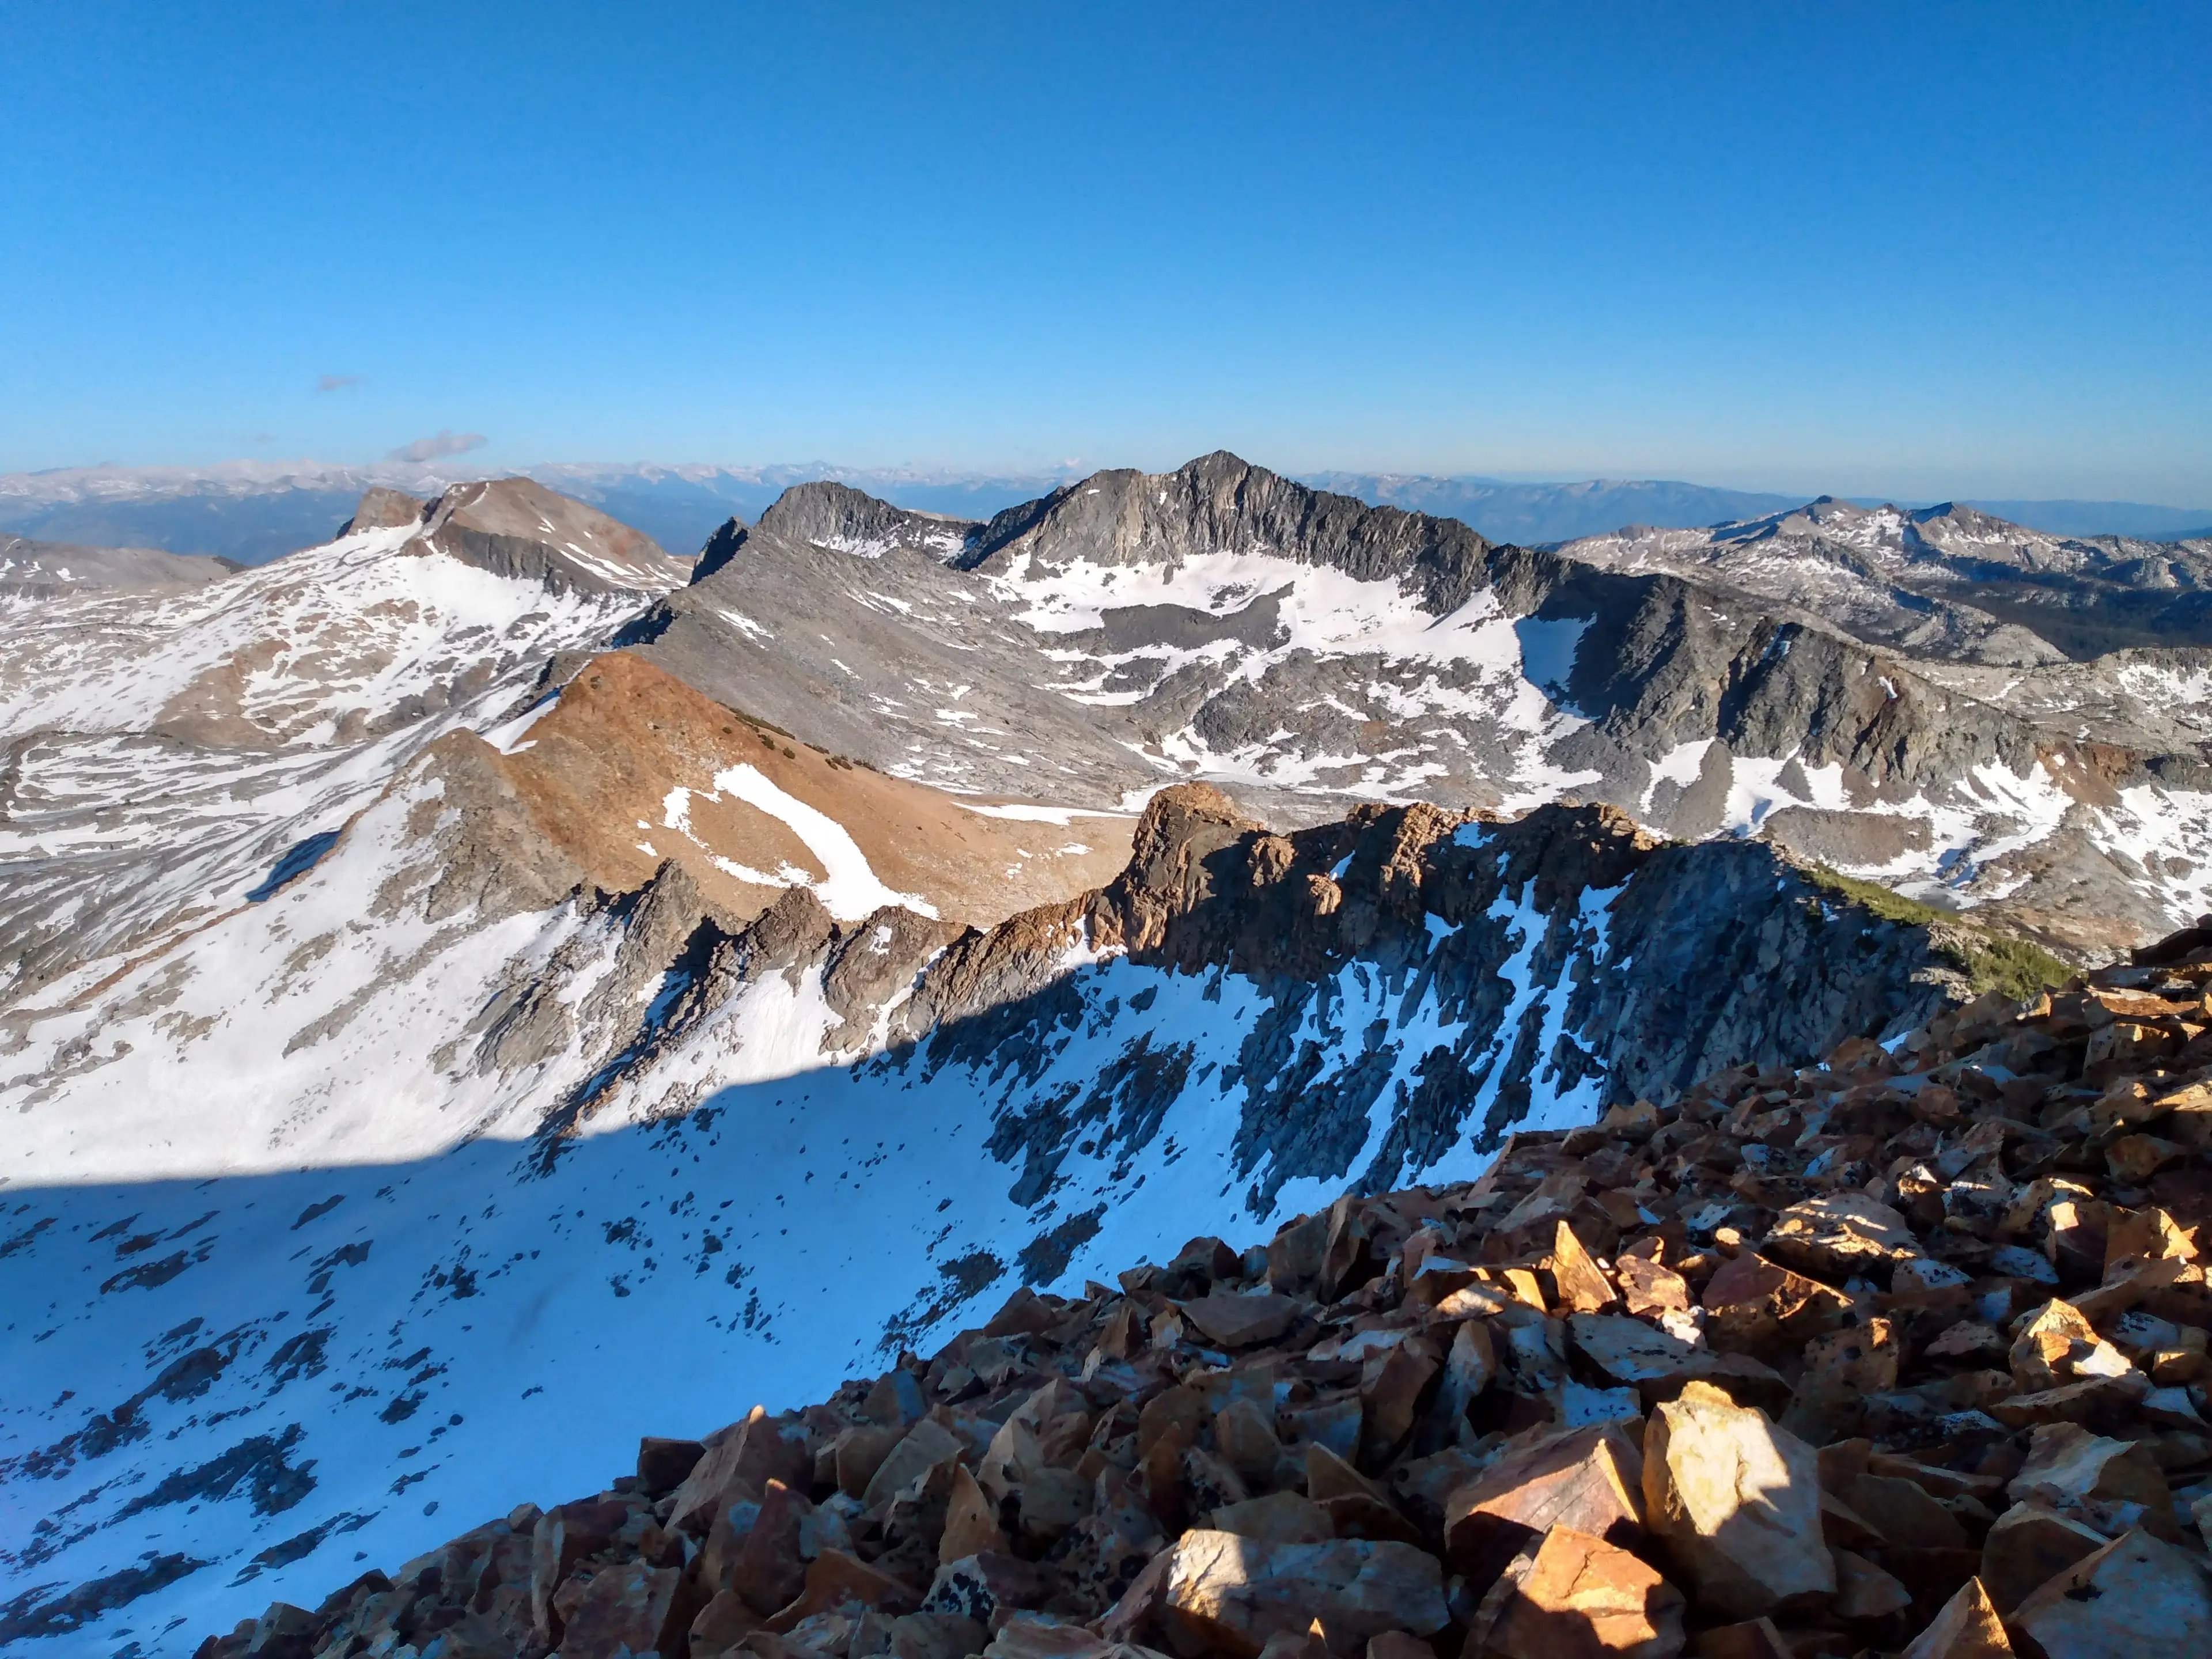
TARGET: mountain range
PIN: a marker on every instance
(485, 985)
(253, 511)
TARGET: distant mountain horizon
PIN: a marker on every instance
(255, 511)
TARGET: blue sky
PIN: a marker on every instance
(1919, 251)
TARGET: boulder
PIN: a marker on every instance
(1573, 1596)
(982, 1586)
(2029, 1546)
(1902, 1512)
(1240, 1321)
(1587, 1478)
(1390, 1395)
(2137, 1596)
(1657, 1364)
(2059, 1346)
(1754, 1306)
(1968, 1628)
(2067, 1464)
(1736, 1502)
(1646, 1287)
(839, 1582)
(1579, 1285)
(662, 1465)
(1839, 1235)
(972, 1521)
(1231, 1592)
(924, 1447)
(740, 1462)
(1281, 1517)
(1863, 1590)
(858, 1452)
(628, 1609)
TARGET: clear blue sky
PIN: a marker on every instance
(1916, 250)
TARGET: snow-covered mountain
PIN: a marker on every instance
(448, 965)
(1222, 623)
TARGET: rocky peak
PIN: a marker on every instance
(1219, 503)
(518, 527)
(848, 520)
(384, 509)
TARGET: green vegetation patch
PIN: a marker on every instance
(1990, 961)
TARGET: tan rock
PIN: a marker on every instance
(1299, 1644)
(1589, 1479)
(836, 1582)
(564, 1536)
(1863, 1590)
(1838, 1235)
(626, 1608)
(2134, 1159)
(1281, 1517)
(1573, 1596)
(2066, 1463)
(2149, 1234)
(1863, 1359)
(1736, 1502)
(1356, 1506)
(1657, 1363)
(1579, 1285)
(1968, 1628)
(1905, 1513)
(1390, 1391)
(764, 1566)
(1175, 1415)
(740, 1462)
(972, 1521)
(1233, 1593)
(1752, 1304)
(1396, 1644)
(859, 1452)
(1240, 1321)
(922, 1448)
(2137, 1596)
(1470, 1365)
(2058, 1346)
(723, 1622)
(1647, 1287)
(1245, 1436)
(2075, 1403)
(2029, 1546)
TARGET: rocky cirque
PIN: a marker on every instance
(1905, 1352)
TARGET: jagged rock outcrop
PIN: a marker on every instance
(518, 527)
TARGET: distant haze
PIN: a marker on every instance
(254, 512)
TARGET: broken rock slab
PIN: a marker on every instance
(1589, 1479)
(1968, 1628)
(1839, 1235)
(1573, 1596)
(2136, 1597)
(1232, 1594)
(2028, 1546)
(1735, 1502)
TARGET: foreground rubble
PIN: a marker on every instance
(1905, 1353)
